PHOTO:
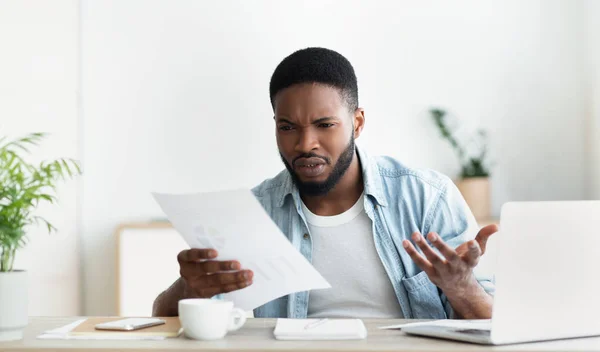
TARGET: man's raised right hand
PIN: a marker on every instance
(206, 277)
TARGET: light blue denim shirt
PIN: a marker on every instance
(399, 201)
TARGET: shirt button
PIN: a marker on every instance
(306, 236)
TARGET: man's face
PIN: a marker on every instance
(315, 135)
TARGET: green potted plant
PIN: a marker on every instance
(23, 186)
(473, 182)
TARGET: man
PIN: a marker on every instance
(355, 217)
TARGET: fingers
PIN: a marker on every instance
(196, 261)
(473, 254)
(196, 255)
(190, 269)
(447, 252)
(210, 285)
(213, 266)
(211, 277)
(484, 234)
(432, 256)
(421, 262)
(223, 279)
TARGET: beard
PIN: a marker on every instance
(322, 188)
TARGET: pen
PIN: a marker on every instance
(315, 323)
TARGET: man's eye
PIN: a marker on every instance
(285, 128)
(325, 125)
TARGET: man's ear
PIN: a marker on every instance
(359, 121)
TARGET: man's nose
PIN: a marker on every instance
(307, 142)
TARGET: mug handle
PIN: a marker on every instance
(238, 318)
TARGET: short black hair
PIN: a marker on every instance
(316, 65)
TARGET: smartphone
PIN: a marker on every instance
(130, 324)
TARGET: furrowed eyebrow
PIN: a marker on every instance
(284, 120)
(324, 119)
(317, 121)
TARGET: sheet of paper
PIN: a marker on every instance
(62, 333)
(236, 225)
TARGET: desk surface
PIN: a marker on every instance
(257, 335)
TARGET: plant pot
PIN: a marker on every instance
(13, 304)
(476, 191)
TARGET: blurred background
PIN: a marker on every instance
(172, 96)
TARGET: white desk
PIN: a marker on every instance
(257, 335)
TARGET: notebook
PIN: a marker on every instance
(320, 329)
(171, 328)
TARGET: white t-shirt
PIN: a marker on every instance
(344, 253)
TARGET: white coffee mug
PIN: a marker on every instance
(209, 319)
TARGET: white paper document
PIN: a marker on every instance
(236, 225)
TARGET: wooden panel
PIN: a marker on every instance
(146, 265)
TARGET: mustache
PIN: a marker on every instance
(311, 155)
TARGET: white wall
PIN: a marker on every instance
(38, 93)
(176, 96)
(592, 56)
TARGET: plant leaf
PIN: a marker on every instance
(22, 186)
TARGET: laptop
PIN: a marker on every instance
(547, 277)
